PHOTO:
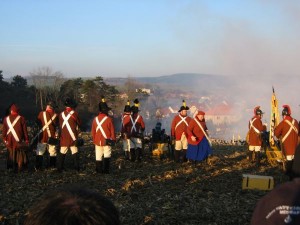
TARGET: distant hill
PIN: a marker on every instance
(188, 81)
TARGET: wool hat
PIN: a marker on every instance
(183, 107)
(200, 113)
(14, 108)
(127, 107)
(103, 106)
(286, 110)
(280, 206)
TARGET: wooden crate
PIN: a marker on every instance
(257, 182)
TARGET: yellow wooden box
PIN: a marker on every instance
(257, 182)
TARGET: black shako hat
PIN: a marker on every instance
(127, 107)
(135, 107)
(183, 107)
(103, 106)
(69, 102)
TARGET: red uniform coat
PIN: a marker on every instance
(139, 125)
(254, 137)
(20, 128)
(52, 126)
(193, 129)
(125, 120)
(74, 122)
(108, 128)
(181, 128)
(291, 141)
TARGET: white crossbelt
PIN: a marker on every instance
(99, 126)
(66, 123)
(252, 126)
(11, 127)
(47, 123)
(292, 127)
(209, 141)
(183, 119)
(133, 123)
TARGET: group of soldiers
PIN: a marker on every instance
(60, 132)
(287, 131)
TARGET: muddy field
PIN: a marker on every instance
(155, 191)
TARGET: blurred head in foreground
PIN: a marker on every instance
(73, 206)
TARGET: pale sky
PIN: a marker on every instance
(121, 38)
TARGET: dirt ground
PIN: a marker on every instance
(155, 191)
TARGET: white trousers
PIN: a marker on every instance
(42, 147)
(102, 151)
(64, 150)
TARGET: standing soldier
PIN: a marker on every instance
(199, 147)
(255, 130)
(179, 132)
(125, 139)
(49, 122)
(103, 133)
(288, 131)
(14, 133)
(134, 128)
(69, 123)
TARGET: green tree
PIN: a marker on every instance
(19, 82)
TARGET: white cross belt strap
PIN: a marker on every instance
(292, 127)
(183, 119)
(133, 123)
(252, 126)
(11, 127)
(47, 123)
(99, 126)
(66, 123)
(199, 124)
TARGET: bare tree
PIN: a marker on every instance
(47, 85)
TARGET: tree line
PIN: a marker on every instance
(48, 86)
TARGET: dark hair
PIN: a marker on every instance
(73, 205)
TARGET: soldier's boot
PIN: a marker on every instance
(184, 159)
(139, 154)
(250, 156)
(60, 162)
(106, 165)
(99, 166)
(177, 156)
(52, 162)
(289, 169)
(132, 154)
(126, 153)
(39, 162)
(76, 161)
(257, 158)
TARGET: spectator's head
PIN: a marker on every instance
(280, 206)
(73, 206)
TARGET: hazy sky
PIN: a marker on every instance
(119, 38)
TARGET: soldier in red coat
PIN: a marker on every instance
(14, 134)
(288, 131)
(125, 139)
(179, 132)
(134, 127)
(103, 134)
(69, 123)
(49, 123)
(256, 128)
(198, 148)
